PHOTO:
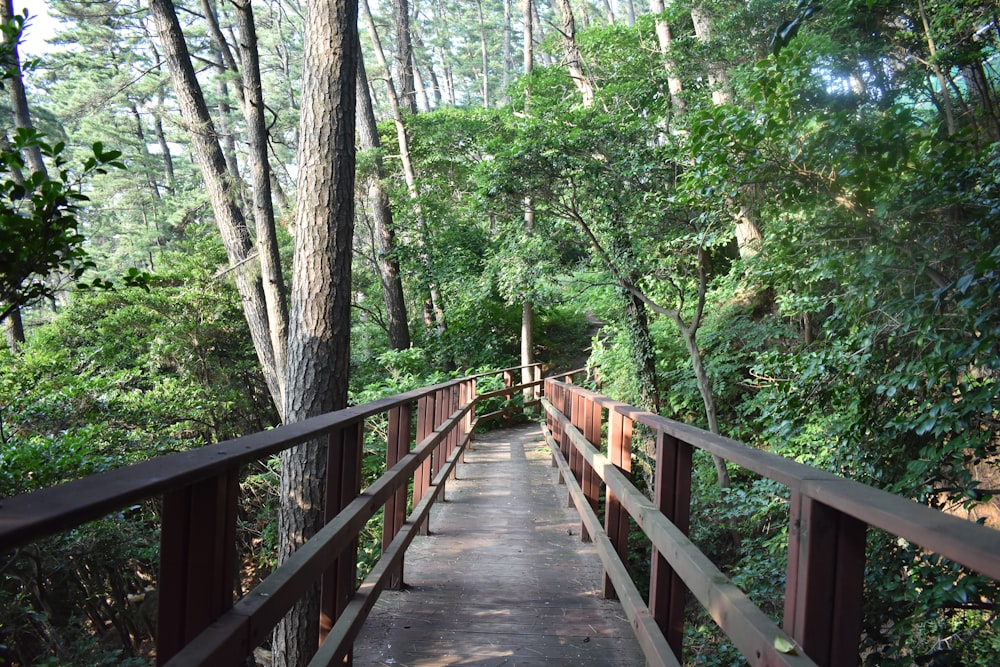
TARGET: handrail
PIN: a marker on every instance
(829, 516)
(198, 621)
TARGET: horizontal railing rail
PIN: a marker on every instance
(829, 518)
(199, 622)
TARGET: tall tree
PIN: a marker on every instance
(404, 55)
(434, 313)
(387, 264)
(319, 333)
(571, 52)
(260, 175)
(33, 156)
(222, 194)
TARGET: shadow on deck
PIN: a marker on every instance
(504, 578)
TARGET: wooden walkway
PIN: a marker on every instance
(503, 579)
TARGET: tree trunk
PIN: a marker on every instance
(949, 114)
(629, 13)
(409, 174)
(33, 159)
(404, 55)
(386, 262)
(319, 333)
(665, 40)
(748, 236)
(15, 329)
(718, 76)
(571, 51)
(529, 37)
(708, 399)
(484, 55)
(161, 137)
(508, 52)
(18, 98)
(228, 216)
(260, 175)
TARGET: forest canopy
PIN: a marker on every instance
(778, 221)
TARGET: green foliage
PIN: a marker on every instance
(38, 220)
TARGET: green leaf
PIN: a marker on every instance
(784, 645)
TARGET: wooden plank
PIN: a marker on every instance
(477, 575)
(654, 645)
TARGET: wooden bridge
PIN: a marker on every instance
(467, 602)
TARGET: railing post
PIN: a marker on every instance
(508, 382)
(441, 402)
(454, 439)
(672, 490)
(825, 581)
(591, 481)
(469, 396)
(197, 560)
(343, 484)
(616, 521)
(574, 459)
(397, 446)
(422, 476)
(566, 407)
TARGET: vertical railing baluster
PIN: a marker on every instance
(456, 431)
(197, 560)
(442, 402)
(672, 491)
(343, 484)
(591, 481)
(397, 446)
(422, 477)
(508, 382)
(616, 520)
(825, 581)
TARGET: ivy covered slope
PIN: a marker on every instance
(779, 221)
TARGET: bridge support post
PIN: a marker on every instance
(397, 446)
(672, 491)
(197, 560)
(825, 581)
(343, 484)
(616, 522)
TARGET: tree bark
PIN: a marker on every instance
(386, 262)
(228, 216)
(320, 326)
(404, 55)
(15, 330)
(665, 40)
(529, 37)
(571, 51)
(718, 76)
(508, 53)
(13, 324)
(260, 176)
(19, 99)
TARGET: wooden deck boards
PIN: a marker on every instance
(504, 578)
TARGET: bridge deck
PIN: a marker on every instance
(503, 579)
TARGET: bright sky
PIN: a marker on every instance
(40, 27)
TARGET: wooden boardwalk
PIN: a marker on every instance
(503, 579)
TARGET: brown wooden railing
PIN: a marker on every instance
(199, 623)
(829, 518)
